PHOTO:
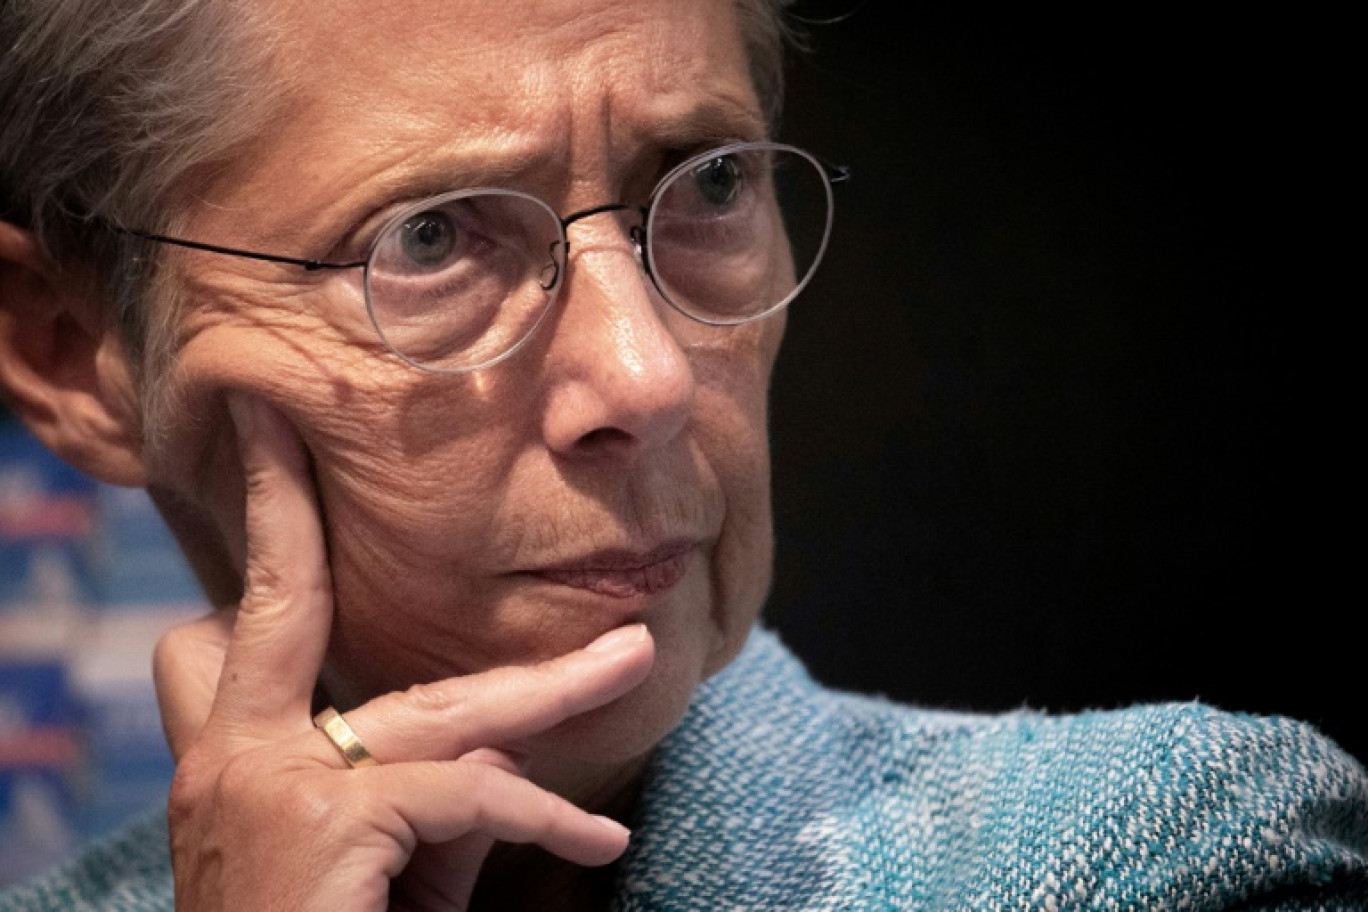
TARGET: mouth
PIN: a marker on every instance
(624, 574)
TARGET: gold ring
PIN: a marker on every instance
(331, 723)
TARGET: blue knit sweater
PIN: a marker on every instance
(775, 793)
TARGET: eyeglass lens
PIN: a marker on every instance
(459, 281)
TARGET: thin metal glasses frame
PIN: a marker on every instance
(639, 234)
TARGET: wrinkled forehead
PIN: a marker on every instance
(517, 40)
(373, 83)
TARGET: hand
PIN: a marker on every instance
(265, 813)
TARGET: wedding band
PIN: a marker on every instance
(331, 723)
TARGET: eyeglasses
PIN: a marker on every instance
(460, 281)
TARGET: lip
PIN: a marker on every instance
(623, 573)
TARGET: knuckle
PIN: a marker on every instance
(313, 805)
(239, 778)
(248, 785)
(550, 808)
(260, 481)
(436, 698)
(184, 648)
(544, 817)
(366, 805)
(206, 785)
(190, 784)
(172, 646)
(272, 585)
(168, 645)
(539, 812)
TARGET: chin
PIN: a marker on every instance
(629, 727)
(632, 725)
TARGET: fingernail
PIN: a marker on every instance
(618, 640)
(608, 823)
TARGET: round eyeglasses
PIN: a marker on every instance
(460, 281)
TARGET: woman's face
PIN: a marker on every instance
(614, 469)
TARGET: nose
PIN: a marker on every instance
(619, 383)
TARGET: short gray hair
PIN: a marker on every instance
(106, 109)
(109, 107)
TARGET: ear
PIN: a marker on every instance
(63, 370)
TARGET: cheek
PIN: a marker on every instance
(410, 487)
(403, 522)
(371, 427)
(418, 459)
(416, 503)
(192, 450)
(732, 429)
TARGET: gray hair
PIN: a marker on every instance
(109, 107)
(106, 109)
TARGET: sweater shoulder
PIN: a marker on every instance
(1164, 805)
(890, 805)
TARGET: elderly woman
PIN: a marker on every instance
(440, 333)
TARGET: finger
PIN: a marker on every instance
(186, 665)
(437, 802)
(449, 718)
(281, 632)
(442, 875)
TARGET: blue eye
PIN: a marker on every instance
(718, 180)
(427, 238)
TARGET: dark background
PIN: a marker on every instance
(1053, 428)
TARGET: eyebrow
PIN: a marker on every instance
(459, 168)
(710, 122)
(439, 172)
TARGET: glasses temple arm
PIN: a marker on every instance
(310, 265)
(837, 174)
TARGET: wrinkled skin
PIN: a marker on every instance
(264, 813)
(403, 528)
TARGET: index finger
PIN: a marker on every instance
(281, 632)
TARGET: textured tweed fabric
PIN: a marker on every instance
(775, 793)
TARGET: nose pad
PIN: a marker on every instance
(550, 273)
(638, 236)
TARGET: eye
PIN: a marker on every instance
(428, 238)
(718, 180)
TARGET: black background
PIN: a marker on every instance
(1053, 427)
